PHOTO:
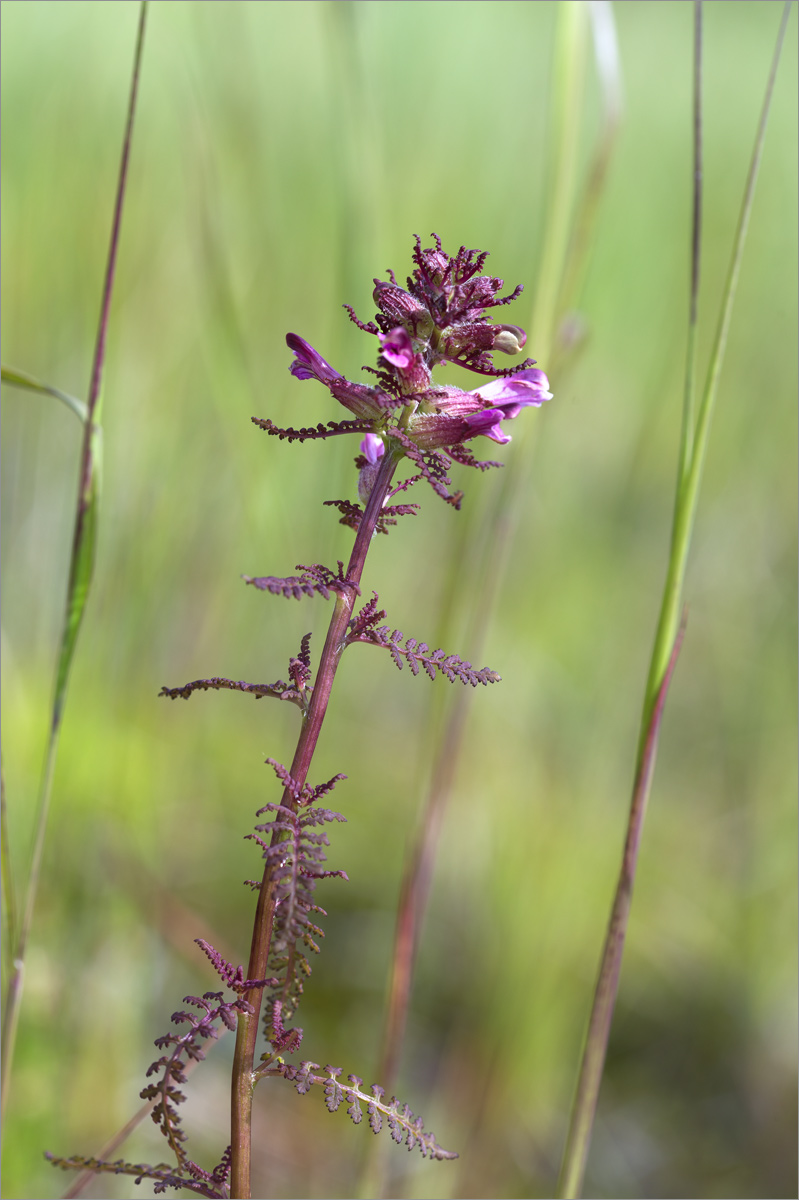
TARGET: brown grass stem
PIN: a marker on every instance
(596, 1042)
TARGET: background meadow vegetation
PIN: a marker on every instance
(284, 155)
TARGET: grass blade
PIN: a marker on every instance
(695, 441)
(80, 575)
(669, 633)
(21, 379)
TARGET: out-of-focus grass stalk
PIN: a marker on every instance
(693, 446)
(578, 256)
(358, 190)
(567, 112)
(80, 571)
(480, 556)
(9, 895)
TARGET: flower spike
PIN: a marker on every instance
(444, 314)
(441, 316)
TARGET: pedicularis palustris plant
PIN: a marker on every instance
(401, 414)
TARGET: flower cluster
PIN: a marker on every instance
(441, 316)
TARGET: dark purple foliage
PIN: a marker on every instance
(364, 627)
(296, 854)
(279, 690)
(402, 1123)
(442, 315)
(314, 579)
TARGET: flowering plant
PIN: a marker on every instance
(440, 316)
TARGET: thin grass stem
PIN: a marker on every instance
(80, 575)
(9, 892)
(689, 395)
(579, 1138)
(669, 635)
(583, 232)
(688, 485)
(568, 85)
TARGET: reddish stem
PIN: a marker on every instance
(247, 1035)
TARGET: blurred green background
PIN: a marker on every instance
(284, 155)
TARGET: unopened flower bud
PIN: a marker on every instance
(373, 449)
(401, 308)
(510, 339)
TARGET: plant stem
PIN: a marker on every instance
(80, 576)
(243, 1082)
(693, 446)
(578, 1141)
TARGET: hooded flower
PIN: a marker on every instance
(482, 410)
(307, 363)
(442, 315)
(366, 402)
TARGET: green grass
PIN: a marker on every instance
(276, 170)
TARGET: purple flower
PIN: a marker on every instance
(307, 363)
(445, 306)
(449, 416)
(508, 397)
(366, 402)
(442, 315)
(397, 348)
(487, 423)
(373, 448)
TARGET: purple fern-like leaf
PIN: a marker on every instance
(364, 628)
(402, 1123)
(295, 849)
(318, 431)
(352, 514)
(171, 1067)
(232, 976)
(203, 1017)
(162, 1176)
(278, 691)
(463, 455)
(316, 579)
(432, 466)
